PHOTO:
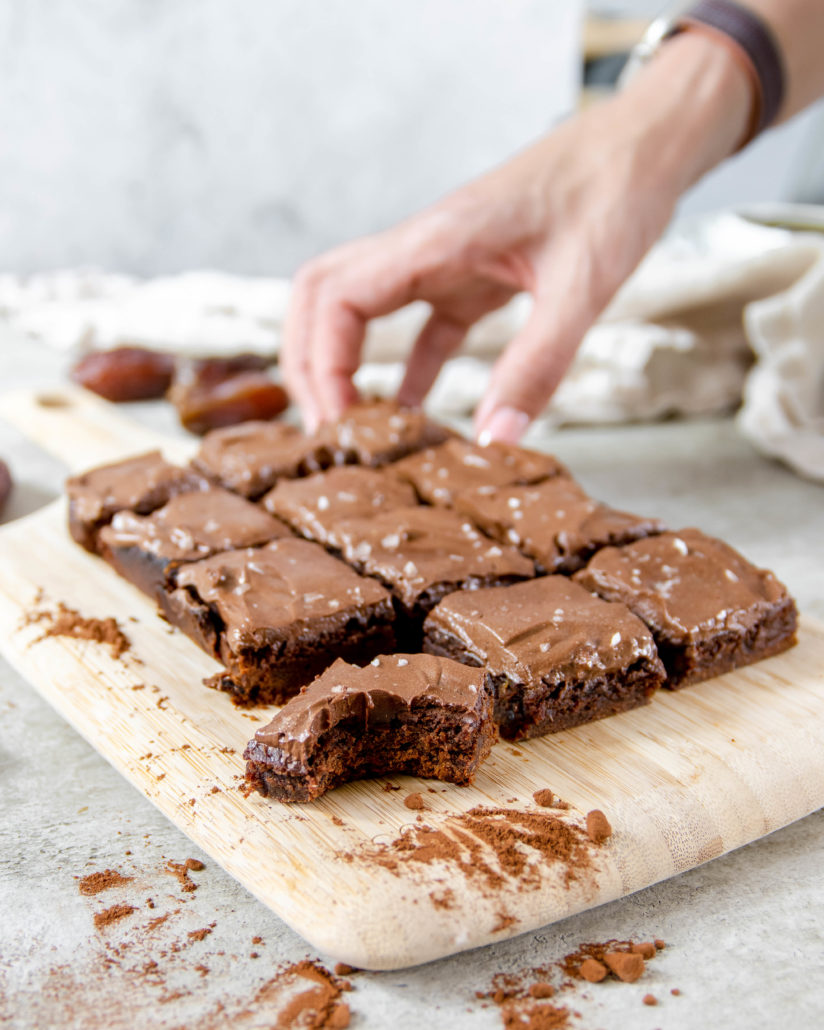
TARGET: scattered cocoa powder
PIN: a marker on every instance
(415, 801)
(203, 970)
(389, 787)
(257, 940)
(598, 828)
(675, 992)
(627, 966)
(336, 819)
(94, 883)
(592, 970)
(199, 935)
(544, 798)
(181, 871)
(650, 999)
(112, 915)
(533, 1015)
(319, 1007)
(444, 898)
(66, 622)
(157, 921)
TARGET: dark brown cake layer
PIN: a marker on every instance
(415, 714)
(557, 655)
(424, 553)
(439, 473)
(555, 522)
(709, 609)
(250, 458)
(316, 505)
(376, 432)
(146, 549)
(141, 484)
(278, 615)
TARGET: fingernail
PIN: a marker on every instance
(505, 424)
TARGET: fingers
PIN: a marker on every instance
(439, 338)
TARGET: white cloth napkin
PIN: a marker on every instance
(721, 308)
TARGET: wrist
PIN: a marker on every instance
(692, 104)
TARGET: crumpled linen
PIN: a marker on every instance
(721, 310)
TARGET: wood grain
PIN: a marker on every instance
(691, 776)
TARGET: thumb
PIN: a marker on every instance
(528, 372)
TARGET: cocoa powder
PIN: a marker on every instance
(112, 915)
(67, 622)
(94, 883)
(415, 801)
(180, 870)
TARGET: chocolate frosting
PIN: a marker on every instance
(439, 473)
(684, 585)
(372, 696)
(314, 506)
(251, 457)
(411, 549)
(555, 522)
(286, 588)
(548, 629)
(193, 526)
(141, 484)
(378, 431)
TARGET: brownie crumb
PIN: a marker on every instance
(415, 801)
(659, 944)
(67, 622)
(598, 828)
(650, 999)
(94, 883)
(542, 990)
(389, 787)
(675, 992)
(627, 966)
(180, 870)
(257, 940)
(343, 969)
(336, 819)
(112, 915)
(646, 949)
(544, 798)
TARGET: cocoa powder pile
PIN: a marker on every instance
(94, 883)
(67, 622)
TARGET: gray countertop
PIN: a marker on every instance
(743, 932)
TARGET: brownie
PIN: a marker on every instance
(140, 484)
(147, 549)
(555, 522)
(413, 714)
(709, 609)
(424, 553)
(278, 615)
(557, 655)
(316, 505)
(439, 473)
(379, 431)
(250, 458)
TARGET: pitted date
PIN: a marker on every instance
(126, 373)
(5, 484)
(214, 393)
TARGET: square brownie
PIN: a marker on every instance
(423, 553)
(140, 484)
(439, 473)
(376, 432)
(147, 549)
(557, 655)
(413, 714)
(709, 609)
(555, 522)
(277, 615)
(314, 506)
(250, 458)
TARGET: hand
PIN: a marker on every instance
(567, 220)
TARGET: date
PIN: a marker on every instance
(126, 373)
(218, 392)
(5, 484)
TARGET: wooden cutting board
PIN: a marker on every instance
(689, 777)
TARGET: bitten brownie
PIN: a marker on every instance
(146, 549)
(379, 431)
(278, 615)
(423, 553)
(316, 505)
(555, 522)
(439, 473)
(141, 484)
(709, 609)
(557, 655)
(250, 458)
(413, 714)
